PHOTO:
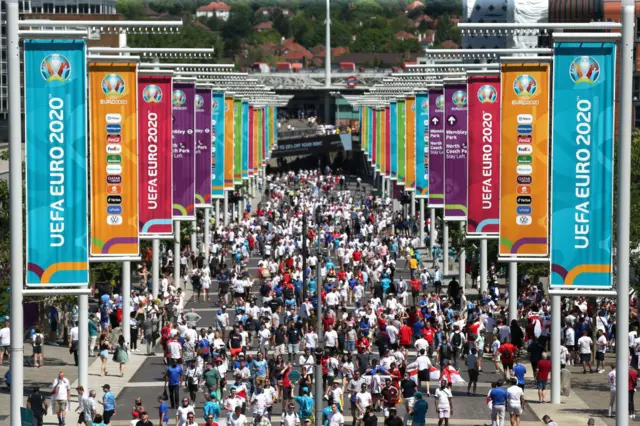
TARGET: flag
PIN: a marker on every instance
(451, 375)
(412, 369)
(241, 391)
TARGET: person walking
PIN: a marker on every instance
(172, 380)
(419, 410)
(74, 335)
(61, 396)
(542, 375)
(633, 384)
(109, 404)
(444, 403)
(121, 355)
(38, 405)
(498, 397)
(515, 405)
(584, 347)
(612, 389)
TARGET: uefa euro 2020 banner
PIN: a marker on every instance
(203, 147)
(422, 145)
(410, 164)
(436, 148)
(524, 160)
(484, 156)
(56, 162)
(393, 140)
(582, 176)
(184, 159)
(229, 144)
(155, 174)
(114, 159)
(401, 142)
(245, 140)
(237, 142)
(219, 153)
(455, 152)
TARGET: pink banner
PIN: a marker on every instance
(484, 155)
(155, 155)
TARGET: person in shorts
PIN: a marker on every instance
(444, 403)
(61, 395)
(515, 401)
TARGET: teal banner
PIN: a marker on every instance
(582, 173)
(422, 145)
(245, 140)
(393, 140)
(55, 76)
(217, 142)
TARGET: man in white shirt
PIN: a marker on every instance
(183, 412)
(602, 343)
(5, 341)
(331, 340)
(424, 365)
(584, 347)
(336, 419)
(237, 418)
(515, 401)
(61, 391)
(612, 388)
(444, 402)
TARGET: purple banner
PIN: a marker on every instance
(455, 152)
(203, 148)
(184, 159)
(436, 148)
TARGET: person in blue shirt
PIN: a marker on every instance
(259, 366)
(172, 380)
(306, 404)
(211, 408)
(163, 411)
(109, 403)
(520, 370)
(386, 283)
(498, 397)
(419, 411)
(417, 328)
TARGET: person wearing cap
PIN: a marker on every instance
(144, 420)
(135, 418)
(306, 404)
(419, 410)
(211, 407)
(109, 403)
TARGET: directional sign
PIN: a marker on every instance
(452, 120)
(435, 121)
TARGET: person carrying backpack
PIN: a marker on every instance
(457, 340)
(37, 341)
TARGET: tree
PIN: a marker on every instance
(373, 40)
(131, 9)
(281, 23)
(445, 30)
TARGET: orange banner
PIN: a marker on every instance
(524, 161)
(114, 159)
(228, 142)
(410, 140)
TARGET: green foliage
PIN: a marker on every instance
(374, 40)
(131, 9)
(281, 24)
(446, 30)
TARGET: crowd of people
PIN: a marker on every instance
(388, 329)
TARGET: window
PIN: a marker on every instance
(83, 8)
(59, 9)
(636, 115)
(72, 9)
(47, 7)
(93, 9)
(37, 9)
(636, 87)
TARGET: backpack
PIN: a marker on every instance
(456, 340)
(38, 340)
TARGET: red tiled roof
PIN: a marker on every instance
(414, 5)
(449, 44)
(215, 6)
(429, 36)
(403, 35)
(263, 26)
(319, 51)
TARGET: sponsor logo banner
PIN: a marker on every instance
(484, 155)
(253, 137)
(393, 140)
(402, 140)
(245, 139)
(203, 147)
(113, 97)
(455, 151)
(411, 142)
(524, 160)
(184, 159)
(582, 179)
(436, 148)
(155, 174)
(229, 145)
(237, 141)
(218, 154)
(56, 163)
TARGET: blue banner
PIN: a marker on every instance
(275, 126)
(393, 143)
(370, 131)
(55, 75)
(267, 125)
(582, 174)
(217, 141)
(422, 145)
(245, 140)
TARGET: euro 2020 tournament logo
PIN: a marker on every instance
(440, 102)
(152, 94)
(584, 69)
(113, 85)
(199, 101)
(179, 98)
(214, 105)
(459, 98)
(525, 86)
(425, 106)
(55, 67)
(487, 94)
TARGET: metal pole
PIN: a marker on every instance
(206, 240)
(432, 229)
(217, 212)
(176, 254)
(194, 234)
(327, 60)
(556, 313)
(319, 392)
(83, 341)
(126, 301)
(513, 291)
(304, 253)
(421, 224)
(413, 205)
(462, 273)
(445, 249)
(225, 208)
(624, 218)
(15, 212)
(483, 265)
(155, 267)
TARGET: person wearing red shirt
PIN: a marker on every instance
(542, 375)
(507, 353)
(405, 336)
(357, 256)
(633, 383)
(428, 334)
(415, 289)
(363, 344)
(327, 321)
